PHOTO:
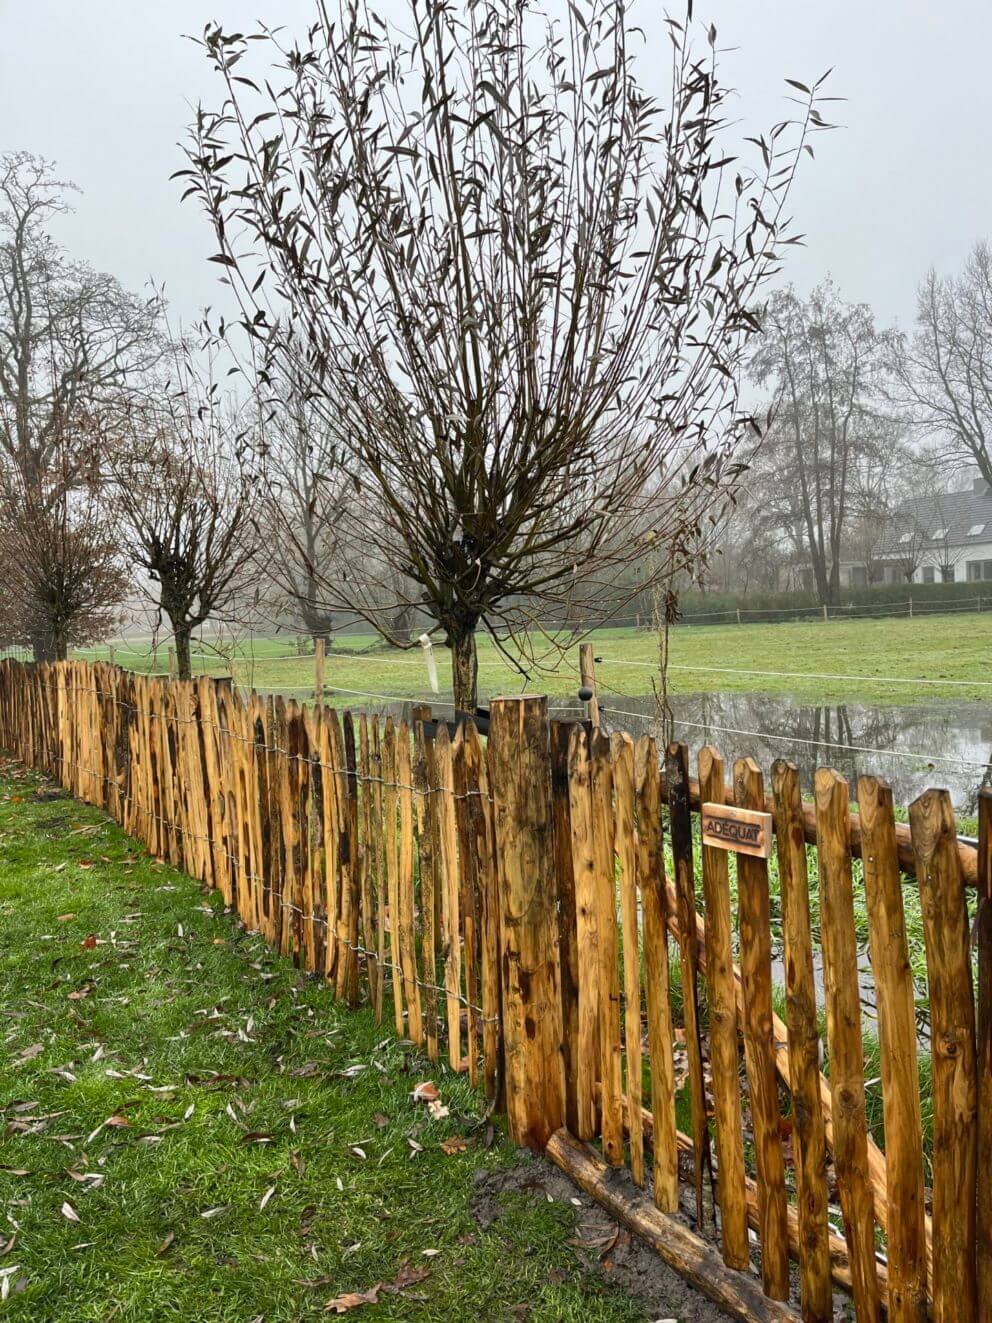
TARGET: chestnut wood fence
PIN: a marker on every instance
(507, 904)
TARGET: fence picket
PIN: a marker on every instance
(604, 875)
(723, 1027)
(450, 927)
(565, 881)
(756, 978)
(952, 1039)
(906, 1250)
(680, 817)
(427, 851)
(587, 1048)
(983, 931)
(405, 918)
(622, 751)
(651, 867)
(847, 1076)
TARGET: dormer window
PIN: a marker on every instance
(976, 529)
(906, 537)
(939, 533)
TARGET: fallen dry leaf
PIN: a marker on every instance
(343, 1304)
(456, 1144)
(69, 1212)
(427, 1091)
(88, 942)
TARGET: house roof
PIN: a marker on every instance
(923, 517)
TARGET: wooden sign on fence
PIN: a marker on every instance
(745, 830)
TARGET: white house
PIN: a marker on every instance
(942, 538)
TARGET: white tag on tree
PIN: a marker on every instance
(428, 648)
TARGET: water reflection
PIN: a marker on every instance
(913, 746)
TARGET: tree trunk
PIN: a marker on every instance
(464, 667)
(184, 667)
(43, 647)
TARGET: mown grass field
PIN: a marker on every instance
(193, 1130)
(889, 660)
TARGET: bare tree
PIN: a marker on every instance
(523, 285)
(824, 361)
(944, 369)
(299, 512)
(68, 335)
(64, 579)
(186, 500)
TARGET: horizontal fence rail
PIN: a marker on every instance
(542, 910)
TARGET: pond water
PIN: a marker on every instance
(913, 746)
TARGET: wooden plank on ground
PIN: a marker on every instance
(953, 1073)
(736, 1293)
(724, 1058)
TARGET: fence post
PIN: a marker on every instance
(319, 653)
(910, 606)
(172, 663)
(587, 679)
(825, 616)
(520, 754)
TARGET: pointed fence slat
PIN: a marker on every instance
(604, 877)
(983, 934)
(587, 1049)
(680, 815)
(622, 749)
(723, 1028)
(756, 978)
(651, 867)
(427, 853)
(847, 1076)
(809, 1139)
(953, 1073)
(906, 1249)
(450, 931)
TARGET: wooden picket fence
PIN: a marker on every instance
(508, 904)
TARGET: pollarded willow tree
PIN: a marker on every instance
(185, 496)
(523, 284)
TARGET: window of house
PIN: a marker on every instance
(976, 529)
(938, 534)
(947, 574)
(906, 537)
(979, 569)
(928, 576)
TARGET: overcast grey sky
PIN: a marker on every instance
(104, 88)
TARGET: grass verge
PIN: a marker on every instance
(886, 656)
(194, 1130)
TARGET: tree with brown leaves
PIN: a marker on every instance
(522, 286)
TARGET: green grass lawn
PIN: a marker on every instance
(194, 1130)
(890, 658)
